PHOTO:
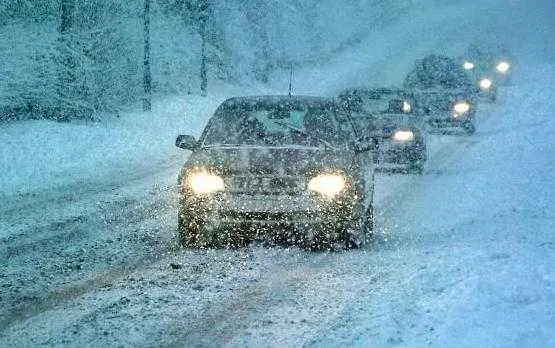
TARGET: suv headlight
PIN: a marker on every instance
(468, 65)
(503, 67)
(403, 135)
(485, 84)
(461, 108)
(407, 107)
(203, 183)
(328, 185)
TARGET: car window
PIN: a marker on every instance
(275, 125)
(375, 105)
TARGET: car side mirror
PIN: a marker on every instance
(186, 142)
(361, 146)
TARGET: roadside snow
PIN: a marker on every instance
(40, 155)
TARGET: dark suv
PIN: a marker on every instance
(490, 59)
(390, 118)
(444, 92)
(276, 168)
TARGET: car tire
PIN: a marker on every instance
(360, 233)
(493, 97)
(469, 128)
(418, 160)
(187, 234)
(416, 168)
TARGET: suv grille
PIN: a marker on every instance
(265, 185)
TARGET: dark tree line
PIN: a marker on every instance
(70, 106)
(89, 57)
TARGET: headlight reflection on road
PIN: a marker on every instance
(407, 107)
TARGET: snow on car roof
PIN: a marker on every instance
(279, 99)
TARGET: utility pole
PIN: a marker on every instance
(147, 76)
(203, 19)
(291, 81)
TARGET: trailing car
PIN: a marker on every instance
(276, 168)
(391, 119)
(485, 84)
(444, 92)
(492, 61)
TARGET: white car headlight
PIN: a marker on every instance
(503, 67)
(407, 107)
(327, 185)
(203, 183)
(485, 83)
(403, 135)
(461, 107)
(468, 65)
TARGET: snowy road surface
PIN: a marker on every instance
(463, 256)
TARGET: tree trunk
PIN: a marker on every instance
(66, 73)
(147, 77)
(203, 77)
(203, 18)
(257, 17)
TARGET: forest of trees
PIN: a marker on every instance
(78, 59)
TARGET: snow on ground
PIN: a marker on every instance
(463, 254)
(463, 257)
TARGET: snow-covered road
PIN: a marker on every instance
(464, 256)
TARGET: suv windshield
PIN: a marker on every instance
(274, 125)
(381, 105)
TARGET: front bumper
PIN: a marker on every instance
(487, 95)
(448, 121)
(246, 211)
(391, 152)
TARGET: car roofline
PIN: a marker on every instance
(276, 99)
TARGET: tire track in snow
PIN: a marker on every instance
(99, 247)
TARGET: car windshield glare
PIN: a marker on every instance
(274, 125)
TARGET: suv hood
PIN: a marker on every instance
(271, 160)
(385, 124)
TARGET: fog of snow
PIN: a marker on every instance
(463, 255)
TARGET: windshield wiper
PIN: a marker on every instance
(300, 131)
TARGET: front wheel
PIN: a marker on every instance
(187, 232)
(469, 128)
(359, 233)
(493, 97)
(416, 168)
